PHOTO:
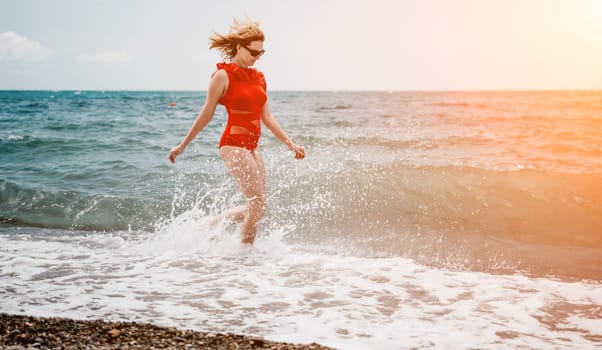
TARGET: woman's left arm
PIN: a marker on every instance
(271, 123)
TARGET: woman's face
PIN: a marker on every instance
(249, 54)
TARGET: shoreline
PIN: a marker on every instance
(26, 332)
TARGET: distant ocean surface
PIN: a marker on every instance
(417, 219)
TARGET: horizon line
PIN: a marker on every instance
(317, 90)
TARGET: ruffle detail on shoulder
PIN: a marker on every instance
(248, 75)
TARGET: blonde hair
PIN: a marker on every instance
(240, 33)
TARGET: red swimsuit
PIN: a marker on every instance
(244, 101)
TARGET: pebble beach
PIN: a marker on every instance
(27, 332)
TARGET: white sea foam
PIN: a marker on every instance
(194, 275)
(15, 137)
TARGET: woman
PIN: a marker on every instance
(242, 90)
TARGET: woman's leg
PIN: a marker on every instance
(247, 169)
(236, 215)
(260, 168)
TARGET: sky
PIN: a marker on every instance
(342, 45)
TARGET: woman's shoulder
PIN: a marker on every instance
(250, 75)
(219, 74)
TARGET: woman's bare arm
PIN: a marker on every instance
(271, 123)
(217, 86)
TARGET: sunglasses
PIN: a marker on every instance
(254, 53)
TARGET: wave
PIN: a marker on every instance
(396, 143)
(73, 210)
(458, 104)
(521, 204)
(26, 144)
(334, 107)
(524, 205)
(15, 137)
(453, 216)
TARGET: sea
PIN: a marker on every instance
(417, 220)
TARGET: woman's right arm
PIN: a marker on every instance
(217, 86)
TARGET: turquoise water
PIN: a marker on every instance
(63, 152)
(404, 200)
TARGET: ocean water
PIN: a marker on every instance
(417, 220)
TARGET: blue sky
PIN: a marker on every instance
(311, 44)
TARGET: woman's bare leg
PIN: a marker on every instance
(260, 168)
(247, 168)
(235, 215)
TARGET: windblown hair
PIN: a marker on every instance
(240, 33)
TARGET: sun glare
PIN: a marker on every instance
(592, 11)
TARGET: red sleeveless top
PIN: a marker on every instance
(244, 100)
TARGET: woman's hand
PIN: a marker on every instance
(299, 151)
(176, 151)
